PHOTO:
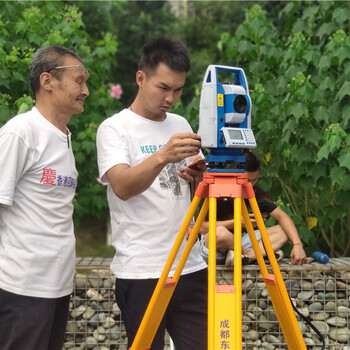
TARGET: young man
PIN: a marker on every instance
(38, 182)
(278, 234)
(145, 154)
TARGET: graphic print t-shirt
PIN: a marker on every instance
(37, 187)
(144, 227)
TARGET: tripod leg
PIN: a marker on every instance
(274, 283)
(191, 240)
(253, 240)
(225, 305)
(211, 273)
(166, 286)
(238, 272)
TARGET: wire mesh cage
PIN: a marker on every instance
(321, 294)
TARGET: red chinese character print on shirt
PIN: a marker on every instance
(49, 177)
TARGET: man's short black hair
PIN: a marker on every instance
(252, 162)
(167, 50)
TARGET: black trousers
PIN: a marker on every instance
(185, 318)
(29, 323)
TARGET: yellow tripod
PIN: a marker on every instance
(224, 301)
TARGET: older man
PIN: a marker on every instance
(38, 182)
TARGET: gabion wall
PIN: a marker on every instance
(321, 293)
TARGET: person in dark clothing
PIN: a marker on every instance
(279, 234)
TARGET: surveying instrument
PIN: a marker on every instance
(225, 129)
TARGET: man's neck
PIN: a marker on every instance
(59, 120)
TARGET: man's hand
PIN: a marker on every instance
(194, 170)
(297, 255)
(179, 147)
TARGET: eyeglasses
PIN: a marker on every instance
(83, 70)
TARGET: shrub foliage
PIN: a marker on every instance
(299, 80)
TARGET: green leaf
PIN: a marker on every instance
(312, 136)
(79, 157)
(325, 62)
(346, 66)
(5, 114)
(334, 142)
(310, 12)
(284, 141)
(317, 171)
(298, 110)
(341, 15)
(318, 96)
(289, 55)
(312, 56)
(344, 91)
(293, 70)
(328, 83)
(344, 159)
(347, 139)
(323, 153)
(345, 116)
(267, 126)
(23, 108)
(257, 67)
(345, 187)
(35, 38)
(343, 53)
(290, 8)
(21, 26)
(20, 77)
(282, 82)
(302, 155)
(299, 26)
(291, 124)
(337, 175)
(320, 114)
(245, 47)
(336, 129)
(306, 235)
(4, 75)
(326, 29)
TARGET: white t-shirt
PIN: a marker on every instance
(145, 227)
(38, 182)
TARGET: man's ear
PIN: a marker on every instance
(140, 77)
(46, 81)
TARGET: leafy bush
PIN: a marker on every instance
(24, 27)
(299, 81)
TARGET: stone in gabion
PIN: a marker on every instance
(306, 295)
(315, 307)
(337, 321)
(341, 335)
(94, 294)
(114, 332)
(343, 311)
(95, 279)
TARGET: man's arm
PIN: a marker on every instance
(227, 224)
(297, 255)
(129, 181)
